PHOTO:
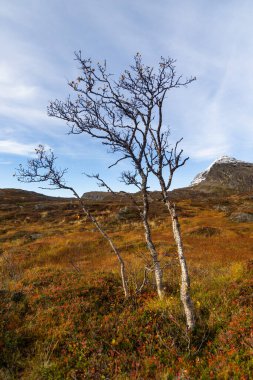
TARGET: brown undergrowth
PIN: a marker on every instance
(63, 314)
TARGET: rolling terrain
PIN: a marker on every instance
(63, 314)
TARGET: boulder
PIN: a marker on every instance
(242, 217)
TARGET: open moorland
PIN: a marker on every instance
(63, 313)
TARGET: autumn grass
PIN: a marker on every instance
(63, 314)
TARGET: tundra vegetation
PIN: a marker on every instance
(63, 312)
(66, 313)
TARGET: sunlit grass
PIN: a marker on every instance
(63, 314)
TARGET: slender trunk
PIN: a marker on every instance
(156, 262)
(115, 250)
(185, 279)
(151, 246)
(107, 237)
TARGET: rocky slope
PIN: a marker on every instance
(226, 174)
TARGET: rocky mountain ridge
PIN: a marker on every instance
(225, 174)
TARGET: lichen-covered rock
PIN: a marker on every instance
(242, 217)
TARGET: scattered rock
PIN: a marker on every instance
(241, 217)
(222, 208)
(35, 236)
(96, 195)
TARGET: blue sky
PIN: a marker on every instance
(212, 40)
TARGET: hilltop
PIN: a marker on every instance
(227, 174)
(18, 195)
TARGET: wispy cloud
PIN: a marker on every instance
(211, 41)
(14, 147)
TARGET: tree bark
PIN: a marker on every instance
(157, 267)
(185, 279)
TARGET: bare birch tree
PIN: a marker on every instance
(163, 162)
(126, 115)
(42, 169)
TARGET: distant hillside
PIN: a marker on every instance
(18, 195)
(226, 175)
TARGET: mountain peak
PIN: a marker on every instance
(226, 160)
(227, 173)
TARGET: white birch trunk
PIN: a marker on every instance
(156, 263)
(157, 267)
(185, 279)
